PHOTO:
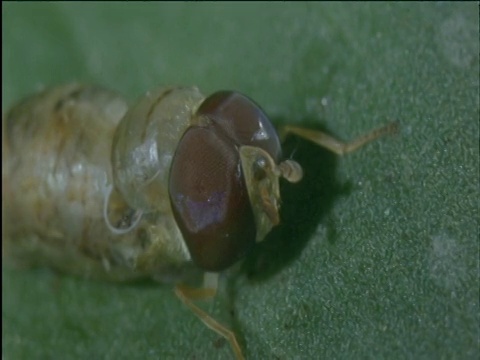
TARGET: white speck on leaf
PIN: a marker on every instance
(446, 262)
(457, 39)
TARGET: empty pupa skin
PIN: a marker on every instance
(58, 185)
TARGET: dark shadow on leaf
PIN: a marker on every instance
(304, 206)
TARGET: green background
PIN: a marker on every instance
(377, 256)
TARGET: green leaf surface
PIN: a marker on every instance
(377, 256)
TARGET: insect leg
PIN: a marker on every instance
(188, 295)
(129, 221)
(336, 146)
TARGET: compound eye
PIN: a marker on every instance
(207, 187)
(209, 199)
(242, 120)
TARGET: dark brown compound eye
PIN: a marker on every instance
(242, 120)
(207, 188)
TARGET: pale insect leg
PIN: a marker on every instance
(336, 146)
(188, 295)
(115, 230)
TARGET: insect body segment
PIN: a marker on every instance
(58, 191)
(145, 142)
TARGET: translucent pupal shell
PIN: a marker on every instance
(145, 143)
(57, 176)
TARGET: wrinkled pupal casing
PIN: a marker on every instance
(57, 168)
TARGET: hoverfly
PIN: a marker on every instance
(176, 184)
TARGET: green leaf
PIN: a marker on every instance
(377, 256)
